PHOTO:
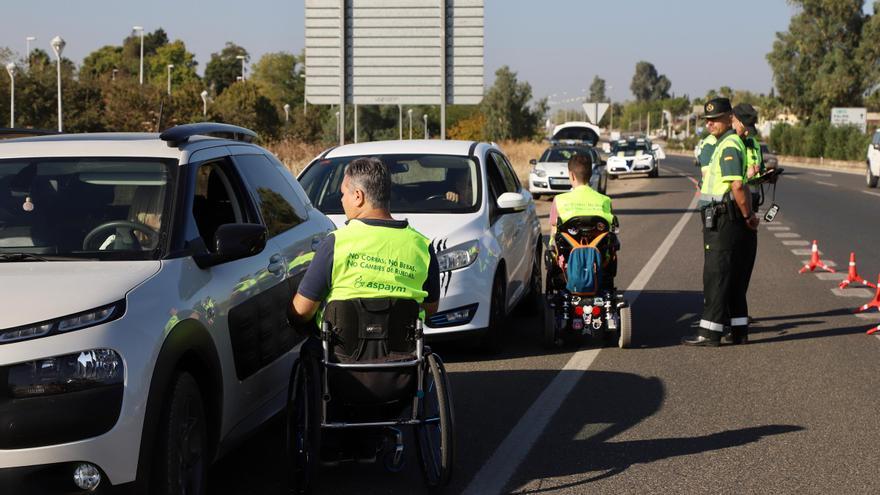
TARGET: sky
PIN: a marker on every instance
(556, 45)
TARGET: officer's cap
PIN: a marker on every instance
(746, 114)
(716, 107)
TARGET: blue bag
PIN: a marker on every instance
(584, 267)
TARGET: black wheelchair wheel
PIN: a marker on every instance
(303, 426)
(435, 437)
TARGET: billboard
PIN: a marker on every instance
(850, 116)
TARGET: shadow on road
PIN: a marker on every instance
(636, 194)
(649, 211)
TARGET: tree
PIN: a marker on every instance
(816, 63)
(242, 104)
(276, 77)
(505, 106)
(597, 90)
(223, 68)
(647, 84)
(102, 61)
(156, 65)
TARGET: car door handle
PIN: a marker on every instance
(276, 264)
(316, 241)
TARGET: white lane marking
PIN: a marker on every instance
(871, 193)
(826, 183)
(498, 469)
(778, 228)
(863, 293)
(820, 175)
(786, 235)
(795, 243)
(830, 276)
(804, 252)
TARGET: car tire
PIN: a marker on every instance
(181, 462)
(654, 173)
(302, 427)
(491, 341)
(870, 178)
(603, 182)
(536, 196)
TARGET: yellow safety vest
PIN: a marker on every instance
(715, 185)
(583, 201)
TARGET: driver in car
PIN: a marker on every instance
(146, 209)
(460, 181)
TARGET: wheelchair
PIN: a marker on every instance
(599, 312)
(368, 376)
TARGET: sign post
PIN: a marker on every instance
(394, 52)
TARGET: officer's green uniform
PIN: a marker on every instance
(725, 261)
(378, 262)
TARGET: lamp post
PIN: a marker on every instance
(27, 53)
(58, 47)
(169, 67)
(204, 95)
(241, 57)
(305, 101)
(409, 112)
(338, 132)
(286, 112)
(141, 30)
(425, 118)
(10, 68)
(400, 122)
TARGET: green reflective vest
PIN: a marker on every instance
(375, 262)
(753, 156)
(715, 184)
(583, 201)
(705, 149)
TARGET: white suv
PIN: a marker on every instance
(143, 327)
(482, 223)
(873, 172)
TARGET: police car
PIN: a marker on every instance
(142, 323)
(482, 223)
(873, 161)
(549, 173)
(634, 156)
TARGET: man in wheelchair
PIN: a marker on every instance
(369, 286)
(582, 260)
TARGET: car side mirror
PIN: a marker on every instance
(510, 202)
(234, 241)
(533, 162)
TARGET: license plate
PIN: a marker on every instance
(560, 182)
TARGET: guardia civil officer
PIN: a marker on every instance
(337, 273)
(726, 211)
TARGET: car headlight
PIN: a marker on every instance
(459, 256)
(64, 324)
(69, 373)
(539, 170)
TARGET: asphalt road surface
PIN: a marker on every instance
(795, 411)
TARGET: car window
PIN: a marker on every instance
(419, 183)
(216, 201)
(630, 148)
(96, 208)
(497, 187)
(877, 137)
(511, 183)
(275, 197)
(562, 154)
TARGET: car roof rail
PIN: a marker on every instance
(178, 135)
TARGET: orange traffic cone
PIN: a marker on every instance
(853, 277)
(815, 262)
(873, 303)
(874, 330)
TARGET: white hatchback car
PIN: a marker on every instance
(873, 161)
(143, 328)
(466, 198)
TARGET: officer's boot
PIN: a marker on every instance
(739, 335)
(703, 338)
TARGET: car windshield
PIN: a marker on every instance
(629, 148)
(419, 183)
(88, 208)
(560, 154)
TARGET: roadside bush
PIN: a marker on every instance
(820, 139)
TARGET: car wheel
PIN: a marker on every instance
(491, 340)
(870, 178)
(536, 196)
(654, 173)
(181, 463)
(302, 428)
(603, 182)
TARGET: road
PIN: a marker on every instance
(795, 411)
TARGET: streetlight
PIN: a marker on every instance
(27, 53)
(241, 57)
(425, 118)
(58, 47)
(338, 133)
(204, 94)
(10, 68)
(409, 112)
(141, 30)
(286, 112)
(170, 66)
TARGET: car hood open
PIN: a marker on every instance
(36, 291)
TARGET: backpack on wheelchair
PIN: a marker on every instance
(580, 296)
(369, 373)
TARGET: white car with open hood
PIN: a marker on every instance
(549, 173)
(466, 198)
